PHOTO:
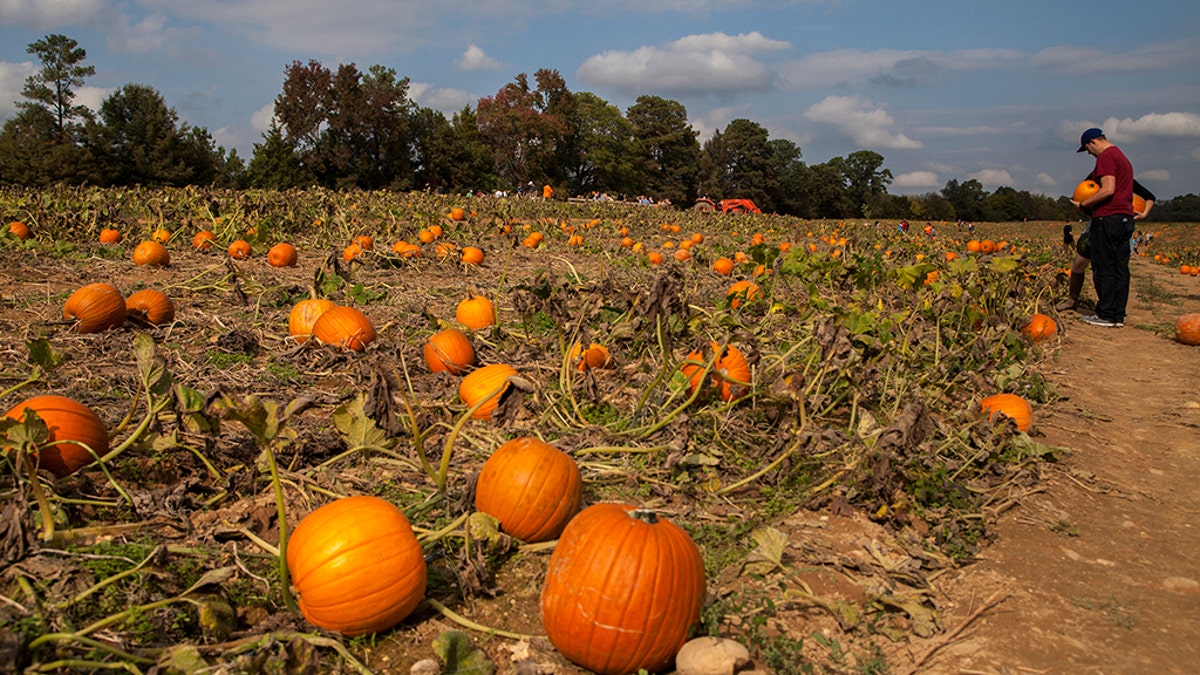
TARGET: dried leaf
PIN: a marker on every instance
(182, 658)
(357, 428)
(460, 655)
(767, 555)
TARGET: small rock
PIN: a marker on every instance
(712, 656)
(1181, 584)
(426, 667)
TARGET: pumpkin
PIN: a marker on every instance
(110, 236)
(69, 421)
(357, 566)
(723, 266)
(436, 230)
(1139, 204)
(151, 253)
(1011, 406)
(1084, 190)
(304, 314)
(483, 381)
(654, 258)
(472, 255)
(595, 356)
(450, 351)
(239, 249)
(95, 308)
(741, 290)
(622, 590)
(457, 213)
(1040, 328)
(351, 252)
(681, 255)
(161, 235)
(987, 246)
(531, 487)
(344, 327)
(476, 312)
(973, 246)
(203, 240)
(730, 372)
(1187, 329)
(19, 230)
(365, 241)
(282, 254)
(150, 307)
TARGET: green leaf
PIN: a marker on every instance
(358, 429)
(42, 354)
(460, 655)
(261, 418)
(190, 406)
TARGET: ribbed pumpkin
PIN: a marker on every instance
(95, 308)
(1011, 406)
(357, 566)
(110, 236)
(481, 382)
(741, 290)
(239, 249)
(723, 266)
(730, 373)
(162, 235)
(282, 254)
(472, 255)
(1187, 329)
(450, 351)
(344, 327)
(151, 253)
(1040, 328)
(475, 312)
(595, 356)
(304, 314)
(67, 420)
(1084, 190)
(204, 240)
(531, 487)
(622, 590)
(151, 307)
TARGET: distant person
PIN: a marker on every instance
(1068, 238)
(547, 191)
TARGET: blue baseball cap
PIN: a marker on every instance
(1089, 136)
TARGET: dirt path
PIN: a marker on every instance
(1100, 572)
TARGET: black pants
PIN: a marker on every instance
(1109, 236)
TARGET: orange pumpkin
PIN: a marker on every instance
(654, 258)
(110, 236)
(344, 327)
(1187, 329)
(150, 307)
(475, 312)
(282, 254)
(730, 373)
(1139, 204)
(450, 351)
(69, 421)
(19, 230)
(472, 255)
(240, 249)
(203, 240)
(458, 213)
(151, 253)
(723, 266)
(1084, 190)
(741, 290)
(357, 566)
(1011, 406)
(987, 246)
(973, 246)
(1040, 328)
(161, 235)
(682, 255)
(351, 252)
(304, 314)
(595, 356)
(95, 308)
(483, 381)
(531, 487)
(617, 608)
(365, 241)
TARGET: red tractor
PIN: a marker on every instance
(727, 205)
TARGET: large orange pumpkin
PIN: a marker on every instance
(357, 566)
(344, 327)
(472, 255)
(151, 253)
(450, 351)
(304, 314)
(531, 487)
(730, 373)
(149, 306)
(1040, 328)
(1139, 204)
(622, 590)
(1187, 329)
(95, 308)
(68, 421)
(1009, 405)
(483, 381)
(723, 266)
(476, 312)
(282, 254)
(1084, 190)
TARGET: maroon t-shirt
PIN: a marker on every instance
(1113, 162)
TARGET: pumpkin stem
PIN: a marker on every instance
(645, 515)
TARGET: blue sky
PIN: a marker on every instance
(997, 92)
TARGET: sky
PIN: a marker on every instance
(997, 92)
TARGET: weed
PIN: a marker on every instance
(225, 360)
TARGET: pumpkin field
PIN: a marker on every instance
(316, 431)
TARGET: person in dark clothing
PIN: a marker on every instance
(1111, 210)
(1068, 238)
(1083, 254)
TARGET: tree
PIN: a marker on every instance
(670, 152)
(968, 199)
(788, 190)
(53, 87)
(825, 192)
(865, 183)
(140, 142)
(605, 149)
(523, 127)
(274, 165)
(740, 163)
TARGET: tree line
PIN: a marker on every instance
(347, 129)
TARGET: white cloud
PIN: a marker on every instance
(12, 81)
(698, 64)
(1153, 125)
(717, 119)
(862, 120)
(49, 14)
(1047, 180)
(260, 120)
(917, 179)
(993, 177)
(1155, 58)
(444, 99)
(1154, 176)
(895, 67)
(476, 59)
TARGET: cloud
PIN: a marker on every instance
(260, 120)
(476, 59)
(1046, 180)
(1153, 125)
(717, 119)
(49, 14)
(893, 67)
(1156, 58)
(12, 81)
(1154, 176)
(715, 63)
(862, 120)
(917, 179)
(444, 99)
(993, 177)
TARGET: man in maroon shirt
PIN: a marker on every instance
(1111, 226)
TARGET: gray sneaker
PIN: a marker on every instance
(1097, 321)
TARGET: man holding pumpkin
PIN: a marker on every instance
(1111, 210)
